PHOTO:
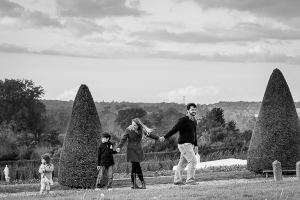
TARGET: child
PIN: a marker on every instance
(46, 170)
(6, 173)
(105, 162)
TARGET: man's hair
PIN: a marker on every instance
(47, 158)
(190, 105)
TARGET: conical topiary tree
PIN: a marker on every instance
(78, 159)
(276, 134)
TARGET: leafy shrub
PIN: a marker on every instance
(276, 134)
(78, 159)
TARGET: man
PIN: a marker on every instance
(187, 145)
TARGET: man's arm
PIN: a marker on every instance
(180, 124)
(196, 143)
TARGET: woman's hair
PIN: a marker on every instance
(47, 158)
(142, 127)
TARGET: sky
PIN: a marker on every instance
(151, 50)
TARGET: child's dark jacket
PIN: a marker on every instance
(105, 154)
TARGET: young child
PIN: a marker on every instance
(6, 173)
(105, 162)
(46, 170)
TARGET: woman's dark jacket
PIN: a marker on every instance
(134, 151)
(105, 154)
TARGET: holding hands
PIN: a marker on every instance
(161, 139)
(118, 150)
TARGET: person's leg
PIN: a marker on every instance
(133, 175)
(105, 176)
(43, 187)
(110, 176)
(192, 161)
(181, 165)
(99, 182)
(140, 174)
(47, 188)
(139, 171)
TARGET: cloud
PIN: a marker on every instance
(23, 18)
(258, 54)
(96, 8)
(11, 48)
(241, 32)
(140, 44)
(10, 9)
(268, 8)
(171, 24)
(190, 92)
(68, 94)
(82, 27)
(38, 19)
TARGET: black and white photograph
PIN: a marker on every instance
(150, 99)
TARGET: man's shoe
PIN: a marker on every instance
(191, 183)
(179, 183)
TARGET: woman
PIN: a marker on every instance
(135, 133)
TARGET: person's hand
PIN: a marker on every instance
(161, 139)
(131, 127)
(118, 150)
(98, 167)
(196, 149)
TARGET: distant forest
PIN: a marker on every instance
(240, 112)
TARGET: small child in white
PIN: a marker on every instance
(46, 170)
(6, 173)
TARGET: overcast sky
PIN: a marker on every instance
(151, 50)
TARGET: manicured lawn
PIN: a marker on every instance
(241, 185)
(120, 183)
(252, 189)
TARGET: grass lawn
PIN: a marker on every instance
(120, 183)
(222, 185)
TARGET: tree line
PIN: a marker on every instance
(28, 123)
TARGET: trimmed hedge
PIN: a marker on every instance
(153, 162)
(276, 134)
(78, 159)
